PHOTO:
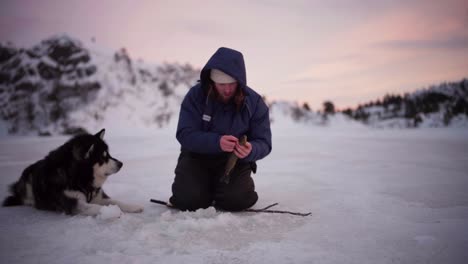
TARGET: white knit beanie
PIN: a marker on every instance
(220, 77)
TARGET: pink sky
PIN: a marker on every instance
(349, 52)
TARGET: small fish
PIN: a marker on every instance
(232, 160)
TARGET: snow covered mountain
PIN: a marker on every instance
(61, 87)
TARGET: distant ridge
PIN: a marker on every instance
(440, 105)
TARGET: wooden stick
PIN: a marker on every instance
(277, 212)
(263, 210)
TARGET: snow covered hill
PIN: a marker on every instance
(62, 87)
(440, 105)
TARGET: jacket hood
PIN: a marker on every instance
(230, 62)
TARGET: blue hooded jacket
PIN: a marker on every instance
(203, 120)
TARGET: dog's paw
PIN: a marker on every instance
(109, 212)
(132, 208)
(88, 209)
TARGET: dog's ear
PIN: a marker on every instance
(101, 133)
(77, 153)
(88, 153)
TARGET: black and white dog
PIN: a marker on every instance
(70, 178)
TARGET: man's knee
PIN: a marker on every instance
(191, 201)
(190, 190)
(236, 201)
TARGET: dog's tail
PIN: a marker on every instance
(18, 189)
(15, 199)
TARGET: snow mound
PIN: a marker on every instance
(189, 232)
(109, 212)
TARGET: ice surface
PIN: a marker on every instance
(376, 196)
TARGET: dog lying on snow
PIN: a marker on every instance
(70, 178)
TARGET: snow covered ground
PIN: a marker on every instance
(376, 196)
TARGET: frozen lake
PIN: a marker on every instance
(376, 196)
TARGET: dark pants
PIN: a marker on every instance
(197, 185)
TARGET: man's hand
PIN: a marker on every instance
(242, 151)
(228, 143)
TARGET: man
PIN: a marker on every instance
(214, 114)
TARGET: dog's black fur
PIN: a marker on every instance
(69, 178)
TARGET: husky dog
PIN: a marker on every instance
(70, 178)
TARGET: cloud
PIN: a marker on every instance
(207, 28)
(302, 81)
(451, 43)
